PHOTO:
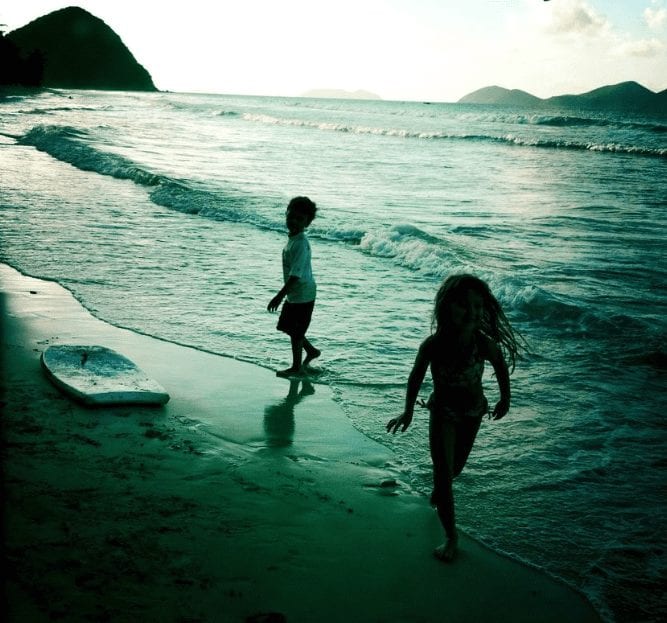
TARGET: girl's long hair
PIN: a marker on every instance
(494, 323)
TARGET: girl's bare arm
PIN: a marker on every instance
(414, 384)
(495, 357)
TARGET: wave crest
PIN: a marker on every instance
(65, 143)
(415, 249)
(509, 139)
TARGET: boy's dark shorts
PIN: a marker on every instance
(295, 318)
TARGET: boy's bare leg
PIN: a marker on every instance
(311, 352)
(297, 347)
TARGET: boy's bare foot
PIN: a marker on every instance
(447, 551)
(289, 372)
(313, 355)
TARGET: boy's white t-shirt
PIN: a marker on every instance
(297, 263)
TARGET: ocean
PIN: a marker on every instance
(164, 213)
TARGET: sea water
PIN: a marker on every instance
(164, 213)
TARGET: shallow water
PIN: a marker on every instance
(164, 213)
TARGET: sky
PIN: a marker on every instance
(421, 50)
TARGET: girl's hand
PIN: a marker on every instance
(402, 420)
(501, 409)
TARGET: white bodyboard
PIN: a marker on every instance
(97, 375)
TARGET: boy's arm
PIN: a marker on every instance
(495, 356)
(275, 302)
(414, 384)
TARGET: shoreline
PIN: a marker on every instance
(245, 494)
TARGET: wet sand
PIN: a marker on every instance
(245, 498)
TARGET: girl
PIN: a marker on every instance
(469, 329)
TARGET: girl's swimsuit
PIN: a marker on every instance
(459, 385)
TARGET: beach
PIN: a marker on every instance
(178, 235)
(245, 498)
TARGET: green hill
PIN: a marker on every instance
(498, 95)
(626, 96)
(70, 49)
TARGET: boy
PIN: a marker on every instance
(299, 288)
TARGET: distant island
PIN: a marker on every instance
(626, 97)
(341, 94)
(70, 49)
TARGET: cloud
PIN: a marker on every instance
(642, 48)
(575, 17)
(655, 18)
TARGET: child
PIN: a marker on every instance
(299, 288)
(470, 328)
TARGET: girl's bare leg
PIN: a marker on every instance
(442, 437)
(466, 433)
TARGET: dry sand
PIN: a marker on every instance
(245, 495)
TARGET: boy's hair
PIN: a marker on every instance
(303, 205)
(494, 323)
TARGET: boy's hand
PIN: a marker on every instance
(402, 420)
(275, 302)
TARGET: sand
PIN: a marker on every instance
(245, 498)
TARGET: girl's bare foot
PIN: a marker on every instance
(447, 551)
(314, 354)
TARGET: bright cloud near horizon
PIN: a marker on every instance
(432, 50)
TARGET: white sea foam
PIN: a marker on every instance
(510, 139)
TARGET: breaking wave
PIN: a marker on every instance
(509, 139)
(67, 144)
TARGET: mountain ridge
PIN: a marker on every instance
(629, 96)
